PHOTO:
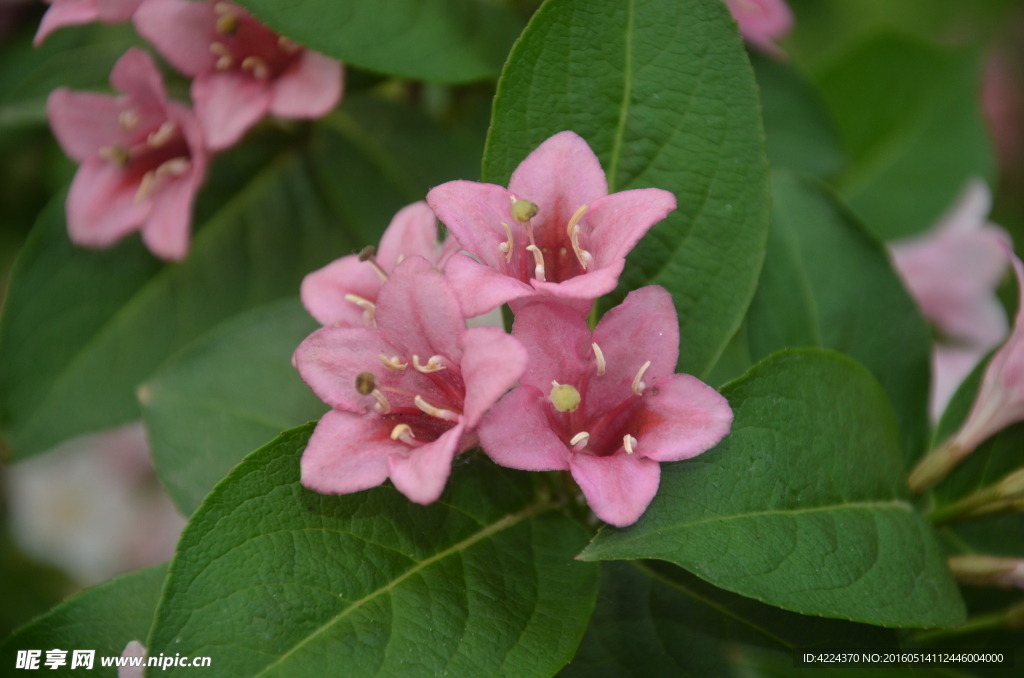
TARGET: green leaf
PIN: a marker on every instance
(908, 115)
(827, 283)
(82, 329)
(663, 92)
(800, 135)
(104, 618)
(224, 395)
(654, 620)
(803, 505)
(272, 579)
(437, 40)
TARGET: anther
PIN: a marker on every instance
(366, 255)
(580, 437)
(639, 386)
(438, 412)
(175, 167)
(257, 66)
(160, 137)
(403, 432)
(382, 406)
(365, 383)
(223, 54)
(128, 119)
(146, 187)
(601, 364)
(116, 154)
(393, 363)
(227, 23)
(538, 260)
(506, 246)
(564, 397)
(573, 231)
(287, 45)
(433, 364)
(369, 308)
(524, 210)
(629, 442)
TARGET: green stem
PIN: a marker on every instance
(982, 622)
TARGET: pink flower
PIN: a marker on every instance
(607, 407)
(998, 404)
(762, 22)
(554, 232)
(952, 271)
(242, 69)
(1003, 103)
(405, 397)
(71, 12)
(344, 292)
(142, 160)
(983, 570)
(132, 649)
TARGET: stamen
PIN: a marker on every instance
(427, 408)
(287, 45)
(161, 136)
(601, 364)
(538, 260)
(257, 66)
(433, 365)
(582, 435)
(146, 187)
(404, 433)
(564, 397)
(224, 60)
(523, 210)
(365, 383)
(228, 23)
(639, 386)
(223, 8)
(573, 230)
(369, 308)
(393, 363)
(116, 154)
(382, 406)
(366, 255)
(175, 167)
(629, 442)
(128, 119)
(506, 246)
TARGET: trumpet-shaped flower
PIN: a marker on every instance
(605, 406)
(407, 396)
(72, 12)
(242, 69)
(142, 160)
(762, 22)
(952, 271)
(554, 232)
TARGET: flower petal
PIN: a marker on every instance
(227, 105)
(479, 288)
(65, 13)
(515, 433)
(137, 75)
(557, 341)
(101, 207)
(116, 11)
(421, 473)
(309, 88)
(618, 487)
(347, 453)
(168, 229)
(84, 122)
(473, 213)
(330, 359)
(680, 418)
(418, 313)
(492, 363)
(133, 649)
(614, 224)
(323, 291)
(182, 31)
(412, 232)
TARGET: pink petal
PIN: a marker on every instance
(181, 30)
(681, 417)
(412, 232)
(761, 22)
(492, 363)
(950, 366)
(559, 176)
(557, 341)
(168, 229)
(133, 649)
(418, 313)
(116, 11)
(84, 122)
(644, 327)
(421, 473)
(480, 288)
(449, 249)
(227, 105)
(137, 75)
(616, 223)
(323, 291)
(65, 13)
(618, 487)
(309, 88)
(473, 213)
(581, 290)
(516, 433)
(347, 453)
(330, 359)
(101, 207)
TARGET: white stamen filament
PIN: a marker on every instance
(538, 260)
(573, 230)
(382, 406)
(393, 363)
(161, 136)
(128, 119)
(506, 246)
(257, 66)
(427, 408)
(601, 364)
(369, 308)
(433, 365)
(404, 433)
(629, 442)
(639, 386)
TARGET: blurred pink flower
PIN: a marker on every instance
(407, 396)
(132, 649)
(242, 69)
(71, 12)
(952, 271)
(554, 232)
(1003, 103)
(605, 406)
(142, 160)
(762, 22)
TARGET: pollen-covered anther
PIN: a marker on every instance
(223, 54)
(369, 308)
(160, 137)
(523, 210)
(116, 154)
(128, 119)
(629, 442)
(404, 433)
(440, 413)
(393, 363)
(506, 247)
(258, 67)
(365, 383)
(433, 364)
(573, 231)
(638, 385)
(579, 441)
(564, 397)
(228, 23)
(538, 260)
(601, 364)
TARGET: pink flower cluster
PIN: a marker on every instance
(411, 387)
(142, 157)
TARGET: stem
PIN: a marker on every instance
(982, 622)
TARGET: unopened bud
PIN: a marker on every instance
(524, 210)
(1012, 486)
(365, 383)
(983, 570)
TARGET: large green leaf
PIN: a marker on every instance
(82, 329)
(803, 505)
(663, 92)
(827, 283)
(272, 579)
(437, 40)
(104, 618)
(908, 115)
(224, 395)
